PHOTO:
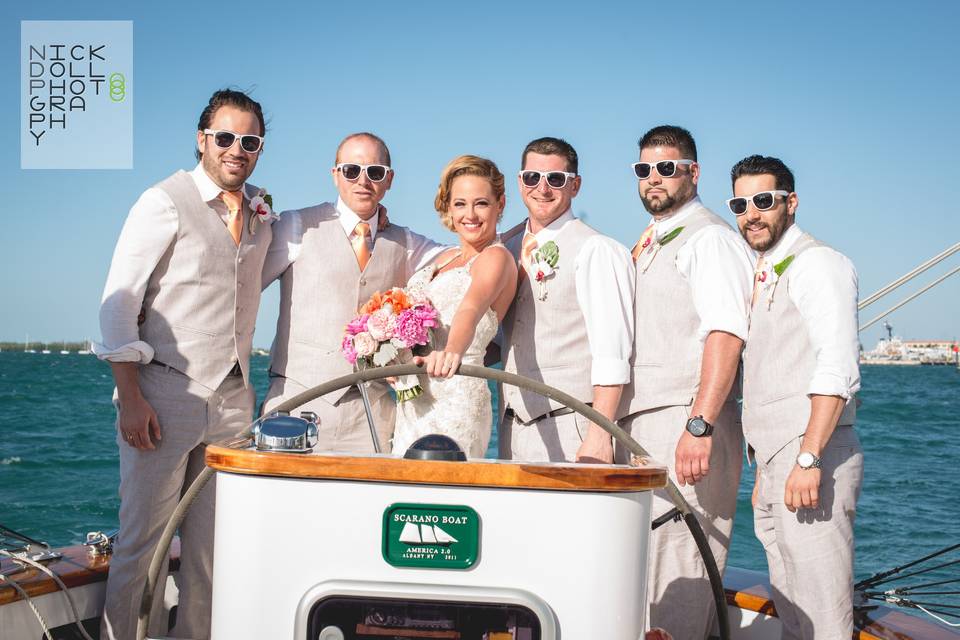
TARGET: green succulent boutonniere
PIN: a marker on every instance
(781, 266)
(543, 264)
(670, 236)
(654, 247)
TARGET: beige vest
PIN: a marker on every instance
(202, 298)
(667, 351)
(778, 363)
(546, 340)
(322, 291)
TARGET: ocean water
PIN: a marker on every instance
(59, 463)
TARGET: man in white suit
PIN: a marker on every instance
(800, 374)
(692, 296)
(330, 258)
(177, 320)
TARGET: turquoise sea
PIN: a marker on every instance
(59, 464)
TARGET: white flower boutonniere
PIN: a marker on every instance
(543, 265)
(262, 206)
(770, 279)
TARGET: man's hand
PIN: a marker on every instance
(803, 489)
(693, 458)
(383, 221)
(138, 421)
(596, 448)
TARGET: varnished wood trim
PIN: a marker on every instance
(76, 568)
(563, 477)
(367, 630)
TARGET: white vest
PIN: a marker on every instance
(200, 306)
(667, 351)
(778, 364)
(322, 291)
(546, 340)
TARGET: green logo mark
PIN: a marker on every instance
(435, 536)
(118, 87)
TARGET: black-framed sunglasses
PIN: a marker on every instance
(555, 179)
(664, 168)
(763, 201)
(375, 172)
(225, 139)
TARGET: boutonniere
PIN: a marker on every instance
(262, 207)
(777, 272)
(543, 265)
(659, 244)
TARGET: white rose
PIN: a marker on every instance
(365, 344)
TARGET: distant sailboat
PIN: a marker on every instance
(26, 346)
(86, 350)
(64, 350)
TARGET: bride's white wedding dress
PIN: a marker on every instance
(458, 407)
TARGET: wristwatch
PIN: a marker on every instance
(807, 460)
(698, 427)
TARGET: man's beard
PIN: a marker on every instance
(668, 204)
(776, 232)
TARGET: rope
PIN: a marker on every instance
(33, 607)
(472, 371)
(56, 578)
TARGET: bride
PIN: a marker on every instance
(472, 287)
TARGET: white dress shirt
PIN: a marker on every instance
(824, 288)
(718, 265)
(605, 278)
(288, 237)
(150, 229)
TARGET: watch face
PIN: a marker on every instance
(697, 426)
(805, 460)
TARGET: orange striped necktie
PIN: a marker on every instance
(643, 242)
(359, 241)
(527, 248)
(759, 275)
(234, 202)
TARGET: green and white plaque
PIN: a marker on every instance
(434, 536)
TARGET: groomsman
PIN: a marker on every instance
(177, 320)
(573, 315)
(800, 374)
(692, 295)
(330, 258)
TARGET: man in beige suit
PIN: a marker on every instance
(330, 259)
(571, 325)
(692, 295)
(188, 264)
(800, 374)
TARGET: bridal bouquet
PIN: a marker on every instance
(385, 332)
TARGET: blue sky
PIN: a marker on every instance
(859, 98)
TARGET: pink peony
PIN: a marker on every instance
(357, 325)
(346, 348)
(365, 344)
(410, 329)
(381, 325)
(427, 315)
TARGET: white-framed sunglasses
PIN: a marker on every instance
(763, 201)
(351, 171)
(225, 139)
(555, 179)
(664, 168)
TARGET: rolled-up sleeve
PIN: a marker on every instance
(421, 250)
(150, 228)
(605, 286)
(717, 265)
(824, 288)
(284, 246)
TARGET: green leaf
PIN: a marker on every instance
(670, 236)
(268, 199)
(781, 266)
(550, 253)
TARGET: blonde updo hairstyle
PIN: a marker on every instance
(465, 166)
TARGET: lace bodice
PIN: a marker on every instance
(458, 407)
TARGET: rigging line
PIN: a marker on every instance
(909, 298)
(935, 604)
(917, 573)
(949, 624)
(929, 584)
(910, 592)
(877, 578)
(908, 276)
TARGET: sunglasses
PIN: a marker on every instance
(665, 168)
(375, 172)
(762, 201)
(225, 139)
(555, 179)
